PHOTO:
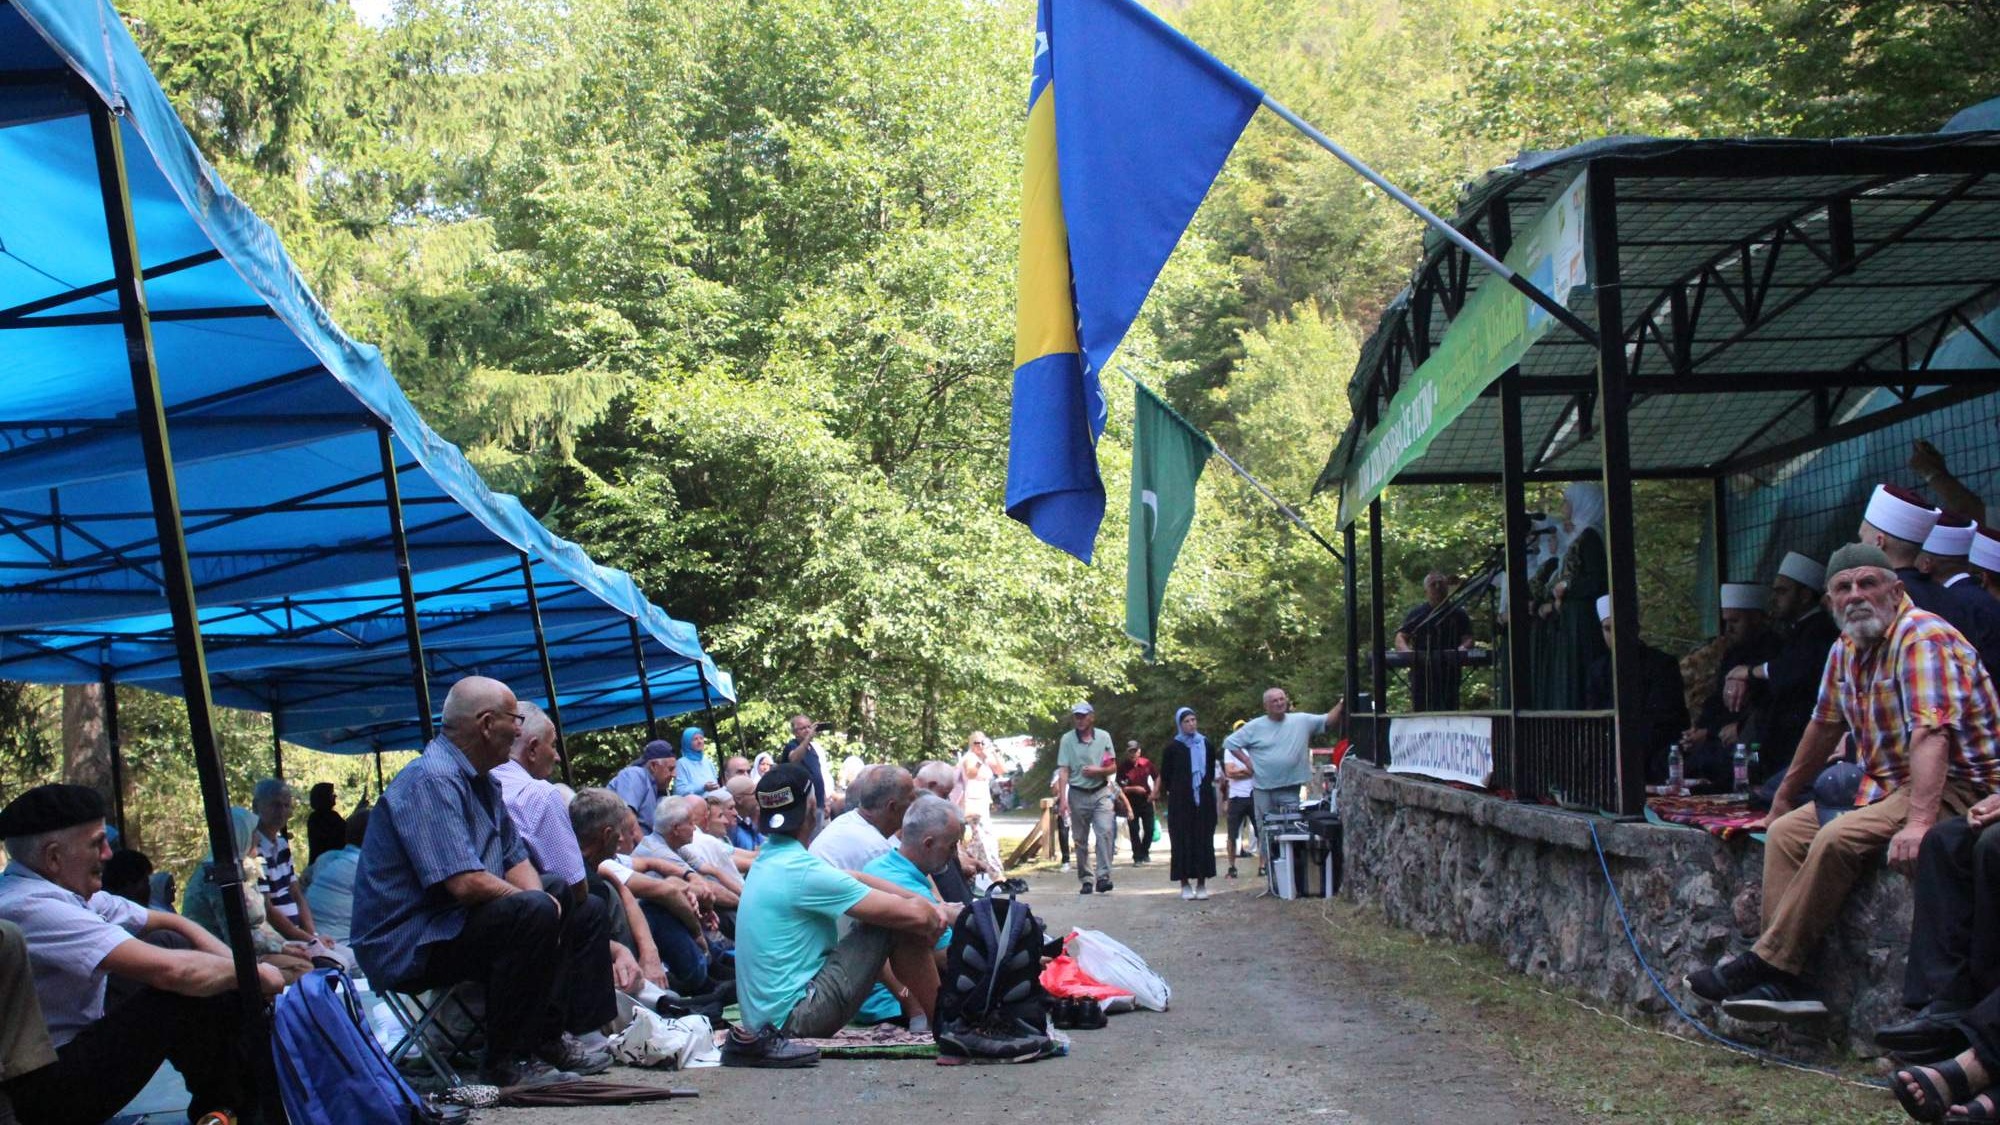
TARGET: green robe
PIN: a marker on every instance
(1564, 645)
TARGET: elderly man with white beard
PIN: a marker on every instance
(1926, 725)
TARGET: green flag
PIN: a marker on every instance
(1167, 458)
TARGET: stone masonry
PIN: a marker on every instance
(1524, 881)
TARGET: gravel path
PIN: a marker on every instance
(1267, 1025)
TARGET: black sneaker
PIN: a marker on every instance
(1731, 977)
(568, 1054)
(1775, 1001)
(1090, 1015)
(769, 1048)
(526, 1072)
(1104, 886)
(1084, 888)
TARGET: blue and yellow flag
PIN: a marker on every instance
(1115, 170)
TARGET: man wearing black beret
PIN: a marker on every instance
(78, 936)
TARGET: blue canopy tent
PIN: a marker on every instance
(190, 446)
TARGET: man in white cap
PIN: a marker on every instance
(1985, 559)
(1790, 678)
(1662, 703)
(1911, 696)
(1747, 638)
(1900, 522)
(1944, 557)
(1086, 761)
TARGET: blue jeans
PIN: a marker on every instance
(687, 965)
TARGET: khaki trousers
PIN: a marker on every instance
(1808, 870)
(24, 1038)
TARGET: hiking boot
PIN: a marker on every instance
(770, 1048)
(570, 1055)
(523, 1073)
(1104, 886)
(1731, 977)
(1084, 887)
(1775, 1001)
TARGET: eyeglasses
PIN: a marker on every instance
(514, 715)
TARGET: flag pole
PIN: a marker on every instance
(1284, 509)
(1457, 238)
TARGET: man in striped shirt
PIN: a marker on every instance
(273, 802)
(1911, 692)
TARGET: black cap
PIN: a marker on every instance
(1834, 790)
(50, 808)
(782, 797)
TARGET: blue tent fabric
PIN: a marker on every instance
(275, 418)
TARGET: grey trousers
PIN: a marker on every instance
(1265, 802)
(1093, 811)
(24, 1038)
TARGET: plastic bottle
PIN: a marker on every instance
(1741, 766)
(1756, 772)
(1676, 769)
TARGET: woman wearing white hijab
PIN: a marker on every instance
(1187, 787)
(1567, 636)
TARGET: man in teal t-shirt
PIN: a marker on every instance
(1275, 745)
(1085, 764)
(929, 840)
(796, 975)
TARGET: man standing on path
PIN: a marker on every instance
(1140, 781)
(1275, 745)
(1085, 764)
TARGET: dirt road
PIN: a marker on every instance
(1267, 1025)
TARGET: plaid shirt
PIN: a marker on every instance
(1921, 674)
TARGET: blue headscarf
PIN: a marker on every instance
(695, 773)
(1197, 746)
(688, 735)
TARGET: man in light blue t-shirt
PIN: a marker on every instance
(796, 975)
(1275, 747)
(932, 830)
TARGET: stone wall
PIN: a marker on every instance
(1524, 881)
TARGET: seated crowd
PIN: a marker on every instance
(678, 886)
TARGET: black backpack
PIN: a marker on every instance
(991, 1004)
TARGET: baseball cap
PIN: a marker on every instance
(782, 797)
(1834, 790)
(1083, 709)
(657, 749)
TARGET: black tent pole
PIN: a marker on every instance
(277, 746)
(645, 688)
(548, 671)
(117, 755)
(708, 710)
(175, 579)
(419, 672)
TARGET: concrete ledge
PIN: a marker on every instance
(1525, 881)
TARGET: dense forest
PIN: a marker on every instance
(725, 292)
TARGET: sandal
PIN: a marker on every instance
(1985, 1107)
(1931, 1103)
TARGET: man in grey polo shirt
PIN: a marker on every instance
(1275, 745)
(78, 936)
(1086, 760)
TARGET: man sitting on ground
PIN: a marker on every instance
(952, 880)
(330, 881)
(932, 831)
(273, 801)
(448, 893)
(24, 1038)
(679, 823)
(743, 834)
(1923, 715)
(796, 976)
(645, 781)
(876, 802)
(185, 1011)
(658, 918)
(129, 875)
(737, 766)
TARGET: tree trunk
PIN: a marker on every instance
(86, 747)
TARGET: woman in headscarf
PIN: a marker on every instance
(695, 776)
(762, 765)
(1567, 637)
(202, 903)
(1187, 786)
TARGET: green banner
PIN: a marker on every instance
(1489, 335)
(1168, 456)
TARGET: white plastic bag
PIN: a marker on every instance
(1107, 959)
(676, 1044)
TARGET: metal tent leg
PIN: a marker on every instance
(548, 671)
(645, 686)
(419, 671)
(112, 739)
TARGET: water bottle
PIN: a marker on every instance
(1756, 770)
(1676, 769)
(1741, 765)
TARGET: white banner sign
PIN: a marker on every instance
(1450, 748)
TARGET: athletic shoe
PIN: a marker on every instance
(1067, 867)
(1731, 978)
(1201, 894)
(1775, 1001)
(1104, 886)
(1187, 893)
(769, 1049)
(568, 1053)
(527, 1072)
(1083, 888)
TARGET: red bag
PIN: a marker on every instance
(1063, 977)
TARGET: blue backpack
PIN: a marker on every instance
(331, 1070)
